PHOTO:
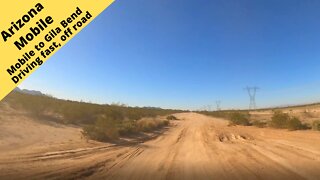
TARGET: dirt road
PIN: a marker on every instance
(195, 147)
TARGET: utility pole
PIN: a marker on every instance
(252, 95)
(218, 103)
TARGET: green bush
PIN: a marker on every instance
(316, 125)
(238, 118)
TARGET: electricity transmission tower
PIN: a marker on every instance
(218, 103)
(252, 95)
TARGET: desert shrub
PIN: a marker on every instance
(128, 127)
(316, 125)
(103, 129)
(259, 124)
(238, 118)
(279, 120)
(284, 121)
(172, 117)
(295, 124)
(148, 124)
(165, 123)
(235, 117)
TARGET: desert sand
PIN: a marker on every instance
(194, 147)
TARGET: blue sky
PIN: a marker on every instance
(186, 54)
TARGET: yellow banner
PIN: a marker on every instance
(32, 31)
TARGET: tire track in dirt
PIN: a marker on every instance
(198, 147)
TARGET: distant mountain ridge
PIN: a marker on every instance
(31, 92)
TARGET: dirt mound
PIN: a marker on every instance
(230, 137)
(20, 133)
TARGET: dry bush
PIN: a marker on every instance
(103, 129)
(172, 117)
(128, 127)
(259, 124)
(240, 118)
(279, 120)
(284, 121)
(316, 125)
(148, 124)
(295, 124)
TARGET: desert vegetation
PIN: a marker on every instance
(259, 124)
(282, 120)
(235, 117)
(240, 118)
(172, 117)
(316, 125)
(218, 114)
(149, 124)
(99, 122)
(279, 120)
(103, 129)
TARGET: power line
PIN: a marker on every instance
(252, 95)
